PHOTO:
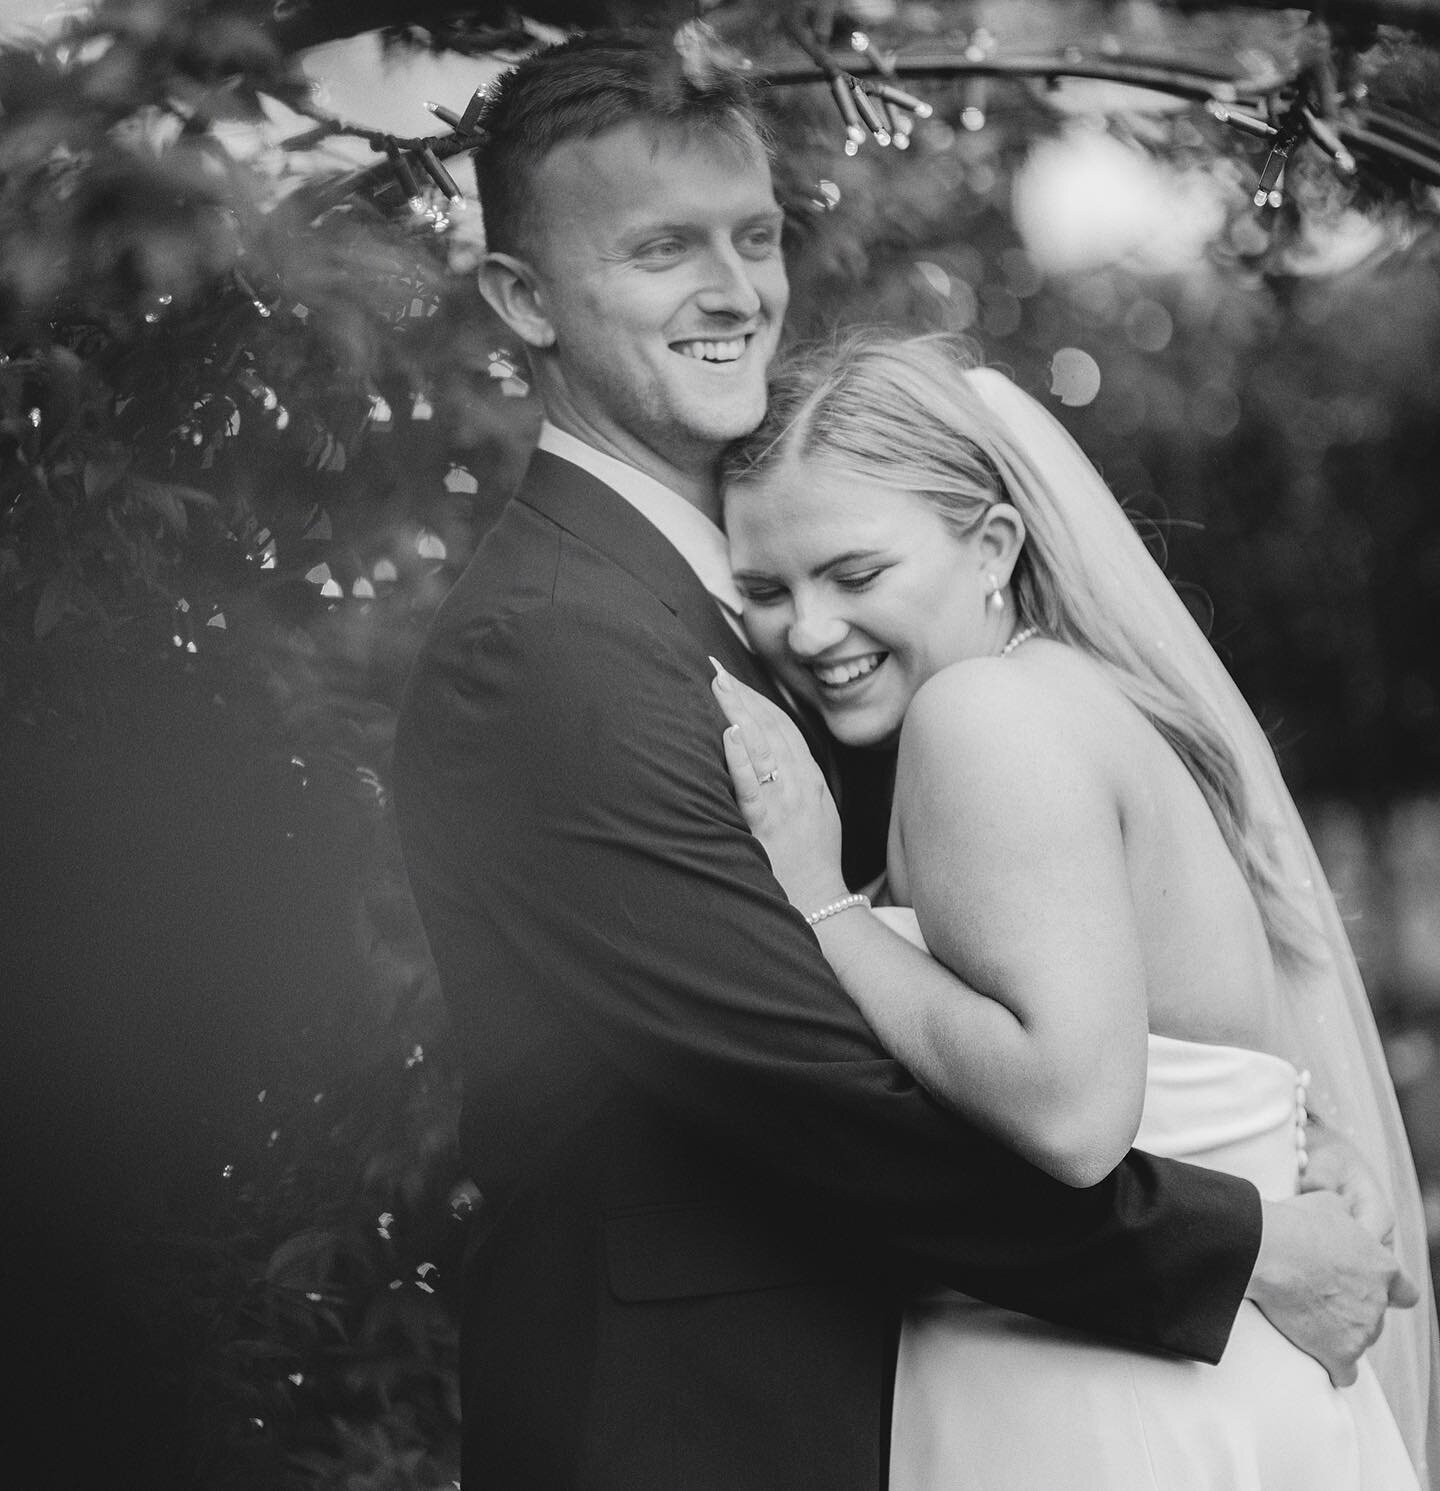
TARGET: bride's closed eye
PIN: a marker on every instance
(761, 593)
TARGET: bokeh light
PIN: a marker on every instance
(1074, 377)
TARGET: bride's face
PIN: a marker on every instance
(856, 595)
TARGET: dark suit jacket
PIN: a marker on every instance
(706, 1186)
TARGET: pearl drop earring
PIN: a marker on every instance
(997, 597)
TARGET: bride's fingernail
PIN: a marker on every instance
(721, 676)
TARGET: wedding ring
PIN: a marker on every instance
(769, 775)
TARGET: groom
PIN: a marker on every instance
(706, 1188)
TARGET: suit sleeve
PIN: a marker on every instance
(591, 816)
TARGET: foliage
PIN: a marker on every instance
(162, 511)
(253, 421)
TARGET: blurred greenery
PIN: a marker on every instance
(253, 420)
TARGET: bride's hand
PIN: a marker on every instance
(782, 794)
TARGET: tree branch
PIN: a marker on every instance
(1421, 16)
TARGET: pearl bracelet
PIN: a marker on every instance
(836, 907)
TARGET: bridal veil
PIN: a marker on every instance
(1323, 1012)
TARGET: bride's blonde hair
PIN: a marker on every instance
(903, 413)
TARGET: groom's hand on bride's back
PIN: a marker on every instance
(1325, 1281)
(1336, 1165)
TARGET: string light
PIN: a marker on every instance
(471, 116)
(251, 294)
(878, 107)
(868, 110)
(1304, 101)
(975, 102)
(444, 115)
(1299, 123)
(849, 112)
(437, 173)
(872, 113)
(1285, 111)
(409, 187)
(901, 108)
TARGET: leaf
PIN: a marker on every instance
(303, 1259)
(103, 472)
(168, 499)
(196, 496)
(54, 602)
(162, 500)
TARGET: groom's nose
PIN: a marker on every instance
(729, 286)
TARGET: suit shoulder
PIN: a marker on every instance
(570, 667)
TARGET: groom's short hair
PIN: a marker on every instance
(579, 89)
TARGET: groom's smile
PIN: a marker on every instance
(723, 353)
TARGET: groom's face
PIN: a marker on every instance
(659, 272)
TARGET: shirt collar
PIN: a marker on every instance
(697, 540)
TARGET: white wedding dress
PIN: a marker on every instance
(988, 1400)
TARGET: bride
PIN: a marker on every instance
(1131, 941)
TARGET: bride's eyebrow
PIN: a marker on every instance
(850, 556)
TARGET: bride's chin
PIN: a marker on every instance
(858, 732)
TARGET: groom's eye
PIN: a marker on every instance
(661, 250)
(760, 240)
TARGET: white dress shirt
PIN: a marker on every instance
(699, 542)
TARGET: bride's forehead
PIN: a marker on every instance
(818, 507)
(821, 489)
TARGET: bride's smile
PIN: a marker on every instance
(857, 594)
(843, 672)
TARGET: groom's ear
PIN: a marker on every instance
(1002, 536)
(516, 294)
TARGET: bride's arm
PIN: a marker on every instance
(1030, 1017)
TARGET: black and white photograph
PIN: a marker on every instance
(720, 745)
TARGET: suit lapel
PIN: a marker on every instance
(600, 517)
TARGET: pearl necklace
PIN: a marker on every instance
(1018, 638)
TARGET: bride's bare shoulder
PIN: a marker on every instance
(1049, 729)
(996, 703)
(1046, 723)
